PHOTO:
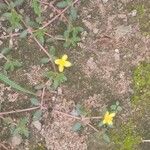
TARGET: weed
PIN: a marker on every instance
(71, 36)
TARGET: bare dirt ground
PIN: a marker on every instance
(114, 42)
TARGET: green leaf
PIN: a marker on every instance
(8, 66)
(36, 7)
(21, 127)
(113, 107)
(8, 120)
(60, 78)
(117, 103)
(62, 4)
(18, 2)
(77, 127)
(73, 13)
(7, 15)
(3, 6)
(52, 51)
(6, 50)
(106, 138)
(23, 34)
(14, 18)
(100, 124)
(34, 101)
(44, 60)
(37, 115)
(11, 5)
(13, 84)
(40, 35)
(81, 110)
(12, 64)
(72, 36)
(119, 108)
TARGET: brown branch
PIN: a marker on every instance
(92, 127)
(2, 145)
(97, 117)
(145, 141)
(42, 98)
(55, 9)
(6, 2)
(7, 36)
(45, 51)
(68, 115)
(53, 19)
(19, 111)
(55, 38)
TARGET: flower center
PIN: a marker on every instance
(62, 62)
(108, 118)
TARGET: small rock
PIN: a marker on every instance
(117, 56)
(4, 33)
(59, 91)
(117, 50)
(16, 140)
(133, 13)
(16, 30)
(37, 125)
(51, 15)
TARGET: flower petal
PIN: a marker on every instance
(61, 68)
(112, 115)
(104, 121)
(64, 57)
(67, 64)
(106, 114)
(110, 123)
(57, 61)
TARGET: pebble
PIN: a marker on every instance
(4, 33)
(134, 13)
(16, 30)
(59, 91)
(117, 50)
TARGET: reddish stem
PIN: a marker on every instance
(19, 111)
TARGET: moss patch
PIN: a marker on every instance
(126, 138)
(141, 81)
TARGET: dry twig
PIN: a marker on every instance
(19, 111)
(53, 19)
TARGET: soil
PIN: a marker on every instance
(114, 42)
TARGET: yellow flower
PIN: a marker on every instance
(62, 63)
(108, 118)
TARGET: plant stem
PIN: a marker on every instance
(68, 115)
(145, 141)
(53, 19)
(2, 145)
(4, 57)
(92, 127)
(54, 8)
(19, 111)
(42, 97)
(55, 38)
